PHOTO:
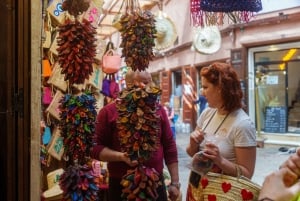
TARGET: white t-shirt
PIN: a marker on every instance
(235, 130)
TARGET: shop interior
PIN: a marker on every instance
(277, 87)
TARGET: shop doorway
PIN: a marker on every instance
(189, 109)
(15, 100)
(176, 95)
(276, 89)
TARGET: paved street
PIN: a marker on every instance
(268, 159)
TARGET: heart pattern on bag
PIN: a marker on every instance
(212, 197)
(246, 195)
(216, 188)
(204, 182)
(226, 187)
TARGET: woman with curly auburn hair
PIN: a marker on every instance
(223, 76)
(234, 134)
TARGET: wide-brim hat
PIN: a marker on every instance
(54, 191)
(207, 40)
(166, 31)
(53, 194)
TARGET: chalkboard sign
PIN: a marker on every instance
(275, 121)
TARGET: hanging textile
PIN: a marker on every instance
(212, 12)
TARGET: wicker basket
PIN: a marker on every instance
(215, 186)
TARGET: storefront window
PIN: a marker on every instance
(275, 88)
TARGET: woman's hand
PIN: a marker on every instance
(196, 137)
(212, 152)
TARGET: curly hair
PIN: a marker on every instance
(225, 77)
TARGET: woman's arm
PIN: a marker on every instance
(245, 160)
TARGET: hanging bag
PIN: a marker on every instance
(47, 96)
(111, 62)
(57, 78)
(106, 86)
(56, 146)
(56, 11)
(53, 108)
(92, 14)
(94, 79)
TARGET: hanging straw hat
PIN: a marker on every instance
(54, 191)
(166, 31)
(207, 40)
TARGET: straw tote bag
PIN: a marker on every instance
(220, 187)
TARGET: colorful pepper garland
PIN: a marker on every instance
(137, 125)
(140, 184)
(138, 34)
(79, 184)
(78, 115)
(76, 50)
(138, 122)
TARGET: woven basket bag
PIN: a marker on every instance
(220, 187)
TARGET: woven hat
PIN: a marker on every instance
(166, 31)
(207, 40)
(54, 191)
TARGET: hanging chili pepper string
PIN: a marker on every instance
(78, 114)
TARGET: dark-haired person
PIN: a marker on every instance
(226, 121)
(201, 101)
